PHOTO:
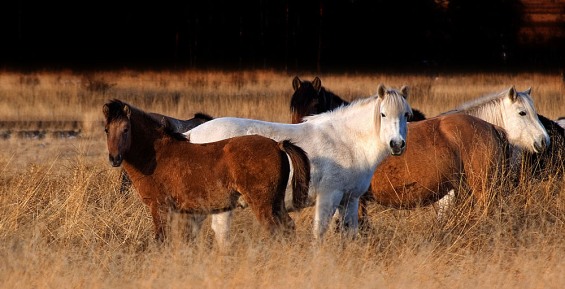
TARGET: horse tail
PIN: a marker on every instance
(301, 173)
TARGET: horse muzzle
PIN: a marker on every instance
(116, 161)
(540, 146)
(397, 147)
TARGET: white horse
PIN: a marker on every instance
(344, 146)
(514, 111)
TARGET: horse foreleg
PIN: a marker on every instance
(326, 205)
(159, 220)
(221, 223)
(125, 182)
(349, 211)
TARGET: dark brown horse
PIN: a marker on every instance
(310, 98)
(176, 125)
(550, 162)
(172, 174)
(443, 153)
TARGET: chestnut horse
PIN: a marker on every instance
(172, 174)
(177, 125)
(444, 153)
(311, 98)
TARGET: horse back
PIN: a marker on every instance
(216, 173)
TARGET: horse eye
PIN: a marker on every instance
(126, 130)
(383, 115)
(106, 130)
(522, 113)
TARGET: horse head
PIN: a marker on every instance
(118, 130)
(521, 121)
(305, 98)
(392, 117)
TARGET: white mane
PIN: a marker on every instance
(487, 107)
(341, 110)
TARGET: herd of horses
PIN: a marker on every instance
(335, 155)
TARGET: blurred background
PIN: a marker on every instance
(289, 35)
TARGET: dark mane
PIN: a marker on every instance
(203, 116)
(173, 133)
(116, 111)
(550, 162)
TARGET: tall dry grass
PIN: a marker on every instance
(64, 223)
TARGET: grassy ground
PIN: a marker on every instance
(64, 223)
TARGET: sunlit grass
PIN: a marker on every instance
(65, 224)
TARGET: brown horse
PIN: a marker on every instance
(443, 153)
(311, 98)
(172, 174)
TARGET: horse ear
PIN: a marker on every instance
(381, 90)
(528, 91)
(404, 90)
(296, 83)
(106, 110)
(127, 110)
(317, 84)
(512, 93)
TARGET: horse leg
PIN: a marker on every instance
(125, 183)
(274, 217)
(350, 216)
(362, 211)
(326, 205)
(221, 223)
(159, 221)
(444, 204)
(194, 225)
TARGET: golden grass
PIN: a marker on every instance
(64, 223)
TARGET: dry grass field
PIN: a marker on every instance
(64, 223)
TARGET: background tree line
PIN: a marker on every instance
(321, 35)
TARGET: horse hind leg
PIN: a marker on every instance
(221, 224)
(274, 217)
(194, 225)
(443, 206)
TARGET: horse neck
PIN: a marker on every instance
(361, 124)
(144, 144)
(489, 112)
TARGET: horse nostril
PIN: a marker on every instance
(115, 161)
(540, 146)
(543, 144)
(397, 144)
